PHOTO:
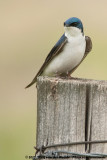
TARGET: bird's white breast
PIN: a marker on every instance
(69, 58)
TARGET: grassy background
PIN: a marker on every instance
(28, 30)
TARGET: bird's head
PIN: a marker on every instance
(73, 26)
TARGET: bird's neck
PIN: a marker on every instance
(72, 32)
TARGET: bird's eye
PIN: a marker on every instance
(74, 24)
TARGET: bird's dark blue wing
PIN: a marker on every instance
(57, 48)
(54, 52)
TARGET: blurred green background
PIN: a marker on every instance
(28, 30)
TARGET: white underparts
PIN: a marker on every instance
(70, 56)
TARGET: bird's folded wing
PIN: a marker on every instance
(54, 52)
(88, 45)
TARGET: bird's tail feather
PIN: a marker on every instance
(33, 81)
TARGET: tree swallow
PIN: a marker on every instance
(68, 52)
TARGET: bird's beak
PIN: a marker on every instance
(66, 25)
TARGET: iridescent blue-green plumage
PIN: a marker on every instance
(76, 22)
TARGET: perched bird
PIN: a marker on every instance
(68, 52)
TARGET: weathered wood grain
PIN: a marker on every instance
(70, 110)
(98, 109)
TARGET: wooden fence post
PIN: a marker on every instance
(71, 111)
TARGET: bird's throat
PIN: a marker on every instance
(72, 32)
